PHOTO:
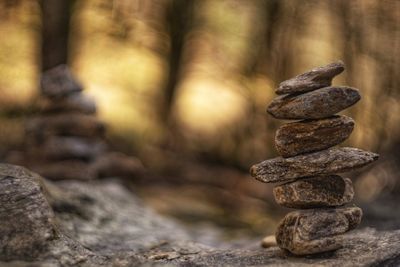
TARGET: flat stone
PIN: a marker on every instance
(296, 138)
(64, 170)
(315, 192)
(317, 104)
(315, 231)
(65, 124)
(332, 160)
(75, 102)
(311, 80)
(59, 82)
(61, 147)
(114, 164)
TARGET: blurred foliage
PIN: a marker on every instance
(234, 54)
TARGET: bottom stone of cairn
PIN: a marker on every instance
(317, 230)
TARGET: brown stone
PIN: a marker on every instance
(315, 192)
(65, 124)
(59, 82)
(317, 104)
(64, 170)
(71, 103)
(60, 147)
(116, 165)
(306, 136)
(332, 160)
(311, 80)
(318, 230)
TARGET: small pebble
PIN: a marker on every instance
(269, 241)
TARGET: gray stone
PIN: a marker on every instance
(317, 104)
(59, 82)
(115, 164)
(64, 170)
(29, 230)
(75, 102)
(301, 137)
(25, 215)
(315, 192)
(63, 147)
(66, 124)
(332, 160)
(311, 80)
(315, 231)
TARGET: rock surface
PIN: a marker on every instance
(116, 229)
(332, 160)
(311, 80)
(301, 137)
(315, 231)
(59, 82)
(26, 218)
(315, 192)
(317, 104)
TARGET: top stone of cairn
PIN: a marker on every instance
(59, 82)
(314, 79)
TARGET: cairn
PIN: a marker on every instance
(309, 162)
(66, 140)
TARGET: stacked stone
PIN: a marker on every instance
(309, 161)
(66, 139)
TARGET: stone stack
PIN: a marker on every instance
(309, 162)
(66, 139)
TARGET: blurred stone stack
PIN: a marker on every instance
(66, 140)
(309, 161)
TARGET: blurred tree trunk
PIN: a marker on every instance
(276, 58)
(55, 30)
(179, 18)
(271, 11)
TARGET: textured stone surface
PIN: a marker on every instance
(365, 247)
(116, 229)
(96, 225)
(306, 136)
(59, 82)
(332, 160)
(317, 104)
(65, 124)
(22, 201)
(314, 231)
(311, 80)
(315, 192)
(71, 103)
(29, 230)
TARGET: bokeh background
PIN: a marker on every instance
(183, 85)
